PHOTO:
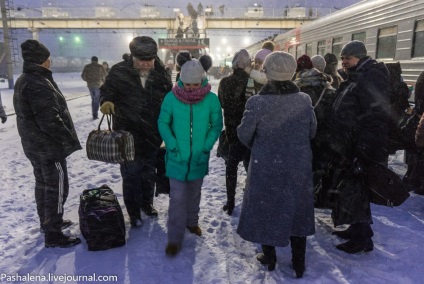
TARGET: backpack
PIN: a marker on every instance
(101, 219)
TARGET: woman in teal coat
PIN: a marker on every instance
(190, 122)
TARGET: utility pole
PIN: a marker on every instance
(6, 37)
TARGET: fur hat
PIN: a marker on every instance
(268, 45)
(318, 62)
(261, 54)
(279, 66)
(94, 59)
(241, 59)
(355, 48)
(34, 51)
(144, 48)
(194, 71)
(330, 59)
(304, 62)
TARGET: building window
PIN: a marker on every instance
(321, 47)
(359, 36)
(309, 49)
(337, 46)
(418, 46)
(386, 44)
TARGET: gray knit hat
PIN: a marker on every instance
(318, 62)
(241, 59)
(355, 48)
(144, 48)
(279, 66)
(192, 72)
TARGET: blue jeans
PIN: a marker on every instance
(95, 101)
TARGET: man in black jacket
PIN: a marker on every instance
(48, 136)
(360, 121)
(133, 92)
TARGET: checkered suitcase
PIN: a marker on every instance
(111, 146)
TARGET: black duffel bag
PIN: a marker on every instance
(386, 187)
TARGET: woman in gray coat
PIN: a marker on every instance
(278, 125)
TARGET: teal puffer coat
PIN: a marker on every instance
(189, 133)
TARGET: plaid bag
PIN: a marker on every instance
(111, 146)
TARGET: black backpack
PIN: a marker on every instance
(101, 219)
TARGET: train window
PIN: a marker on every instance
(359, 36)
(386, 44)
(321, 47)
(299, 50)
(292, 51)
(418, 47)
(309, 49)
(337, 45)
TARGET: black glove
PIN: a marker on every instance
(3, 119)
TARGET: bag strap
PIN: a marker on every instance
(108, 119)
(320, 97)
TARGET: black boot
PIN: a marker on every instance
(298, 246)
(229, 207)
(345, 234)
(268, 257)
(149, 210)
(361, 234)
(58, 239)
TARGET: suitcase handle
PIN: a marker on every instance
(108, 119)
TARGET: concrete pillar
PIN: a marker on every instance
(35, 33)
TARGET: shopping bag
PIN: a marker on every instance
(111, 146)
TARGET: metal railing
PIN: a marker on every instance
(140, 11)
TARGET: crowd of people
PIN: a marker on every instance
(295, 125)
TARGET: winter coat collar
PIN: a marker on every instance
(30, 67)
(279, 88)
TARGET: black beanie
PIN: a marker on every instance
(34, 51)
(143, 47)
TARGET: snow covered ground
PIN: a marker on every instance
(219, 256)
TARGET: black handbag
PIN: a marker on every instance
(223, 146)
(386, 187)
(352, 204)
(407, 127)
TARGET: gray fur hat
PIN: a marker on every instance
(355, 48)
(279, 66)
(144, 48)
(241, 59)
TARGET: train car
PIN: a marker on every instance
(392, 30)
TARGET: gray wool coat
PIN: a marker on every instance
(278, 125)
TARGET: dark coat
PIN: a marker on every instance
(137, 108)
(360, 120)
(278, 201)
(44, 122)
(232, 95)
(313, 82)
(361, 112)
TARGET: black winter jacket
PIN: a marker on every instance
(232, 95)
(361, 112)
(137, 108)
(44, 122)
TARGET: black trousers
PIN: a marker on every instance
(237, 152)
(51, 192)
(138, 183)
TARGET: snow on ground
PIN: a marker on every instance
(219, 256)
